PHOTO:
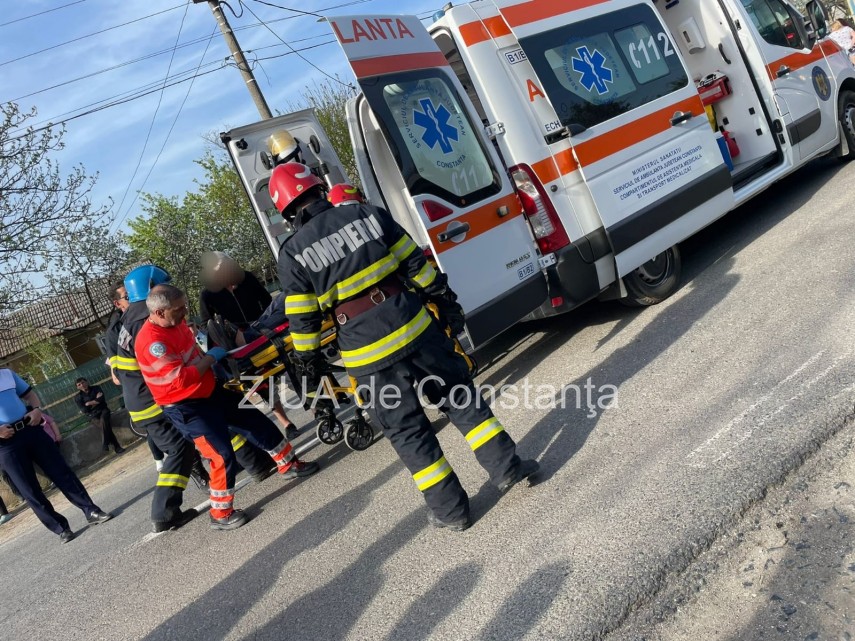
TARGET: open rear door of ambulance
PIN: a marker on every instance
(250, 148)
(473, 221)
(638, 128)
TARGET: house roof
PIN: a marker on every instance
(53, 316)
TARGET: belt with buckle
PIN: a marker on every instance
(19, 425)
(350, 309)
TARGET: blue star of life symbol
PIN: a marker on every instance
(435, 123)
(594, 73)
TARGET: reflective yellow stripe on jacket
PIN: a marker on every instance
(149, 412)
(359, 282)
(306, 342)
(124, 363)
(432, 474)
(426, 276)
(403, 248)
(389, 344)
(301, 304)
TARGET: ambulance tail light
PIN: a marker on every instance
(539, 210)
(435, 211)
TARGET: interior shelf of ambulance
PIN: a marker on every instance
(734, 108)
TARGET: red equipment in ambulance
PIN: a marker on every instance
(550, 153)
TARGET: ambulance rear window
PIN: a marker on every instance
(433, 137)
(596, 69)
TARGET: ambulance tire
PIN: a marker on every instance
(655, 280)
(846, 115)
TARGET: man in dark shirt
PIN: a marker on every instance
(230, 291)
(90, 399)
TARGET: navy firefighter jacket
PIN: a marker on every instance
(341, 254)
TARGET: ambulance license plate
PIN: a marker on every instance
(525, 272)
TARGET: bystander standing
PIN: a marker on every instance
(24, 443)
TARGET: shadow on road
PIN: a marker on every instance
(238, 593)
(332, 610)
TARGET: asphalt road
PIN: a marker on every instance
(721, 391)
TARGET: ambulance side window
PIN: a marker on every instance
(596, 69)
(775, 22)
(433, 137)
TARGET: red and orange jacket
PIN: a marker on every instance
(167, 357)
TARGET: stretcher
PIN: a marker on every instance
(268, 357)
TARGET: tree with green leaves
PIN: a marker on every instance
(174, 233)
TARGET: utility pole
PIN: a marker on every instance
(243, 67)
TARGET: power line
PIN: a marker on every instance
(88, 35)
(169, 50)
(278, 6)
(40, 13)
(168, 133)
(157, 108)
(150, 88)
(122, 98)
(144, 90)
(111, 104)
(302, 57)
(153, 54)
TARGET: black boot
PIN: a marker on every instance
(231, 522)
(199, 474)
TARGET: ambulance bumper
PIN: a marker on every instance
(490, 320)
(573, 279)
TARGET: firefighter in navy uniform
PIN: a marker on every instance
(180, 453)
(356, 262)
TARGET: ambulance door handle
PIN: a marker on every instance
(451, 234)
(680, 117)
(783, 71)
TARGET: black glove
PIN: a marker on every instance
(450, 312)
(310, 367)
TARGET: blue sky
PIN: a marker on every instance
(110, 142)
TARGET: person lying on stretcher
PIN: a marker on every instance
(272, 322)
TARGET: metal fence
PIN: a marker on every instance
(57, 394)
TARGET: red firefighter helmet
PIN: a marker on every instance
(345, 194)
(290, 181)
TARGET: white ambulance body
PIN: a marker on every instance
(551, 152)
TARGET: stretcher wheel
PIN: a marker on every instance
(359, 434)
(330, 431)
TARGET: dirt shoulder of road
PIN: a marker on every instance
(95, 476)
(786, 572)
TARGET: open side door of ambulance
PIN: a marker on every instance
(458, 192)
(638, 128)
(250, 150)
(799, 71)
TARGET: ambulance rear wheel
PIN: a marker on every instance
(846, 113)
(655, 280)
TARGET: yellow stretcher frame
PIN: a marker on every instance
(358, 434)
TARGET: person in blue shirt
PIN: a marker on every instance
(23, 442)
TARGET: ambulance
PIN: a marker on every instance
(550, 153)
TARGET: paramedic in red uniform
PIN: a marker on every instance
(182, 382)
(356, 262)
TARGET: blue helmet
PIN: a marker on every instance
(140, 280)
